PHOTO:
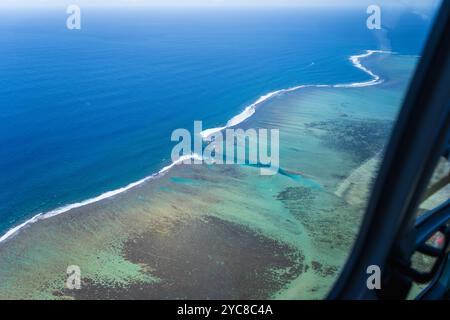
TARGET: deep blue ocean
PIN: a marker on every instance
(86, 111)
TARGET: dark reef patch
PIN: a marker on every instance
(328, 219)
(363, 139)
(323, 270)
(296, 193)
(205, 258)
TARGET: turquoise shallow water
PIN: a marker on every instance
(227, 232)
(88, 112)
(92, 111)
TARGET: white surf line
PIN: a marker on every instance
(103, 196)
(244, 115)
(356, 60)
(251, 109)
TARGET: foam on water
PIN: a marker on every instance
(241, 117)
(106, 195)
(251, 109)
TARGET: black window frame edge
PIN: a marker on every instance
(386, 237)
